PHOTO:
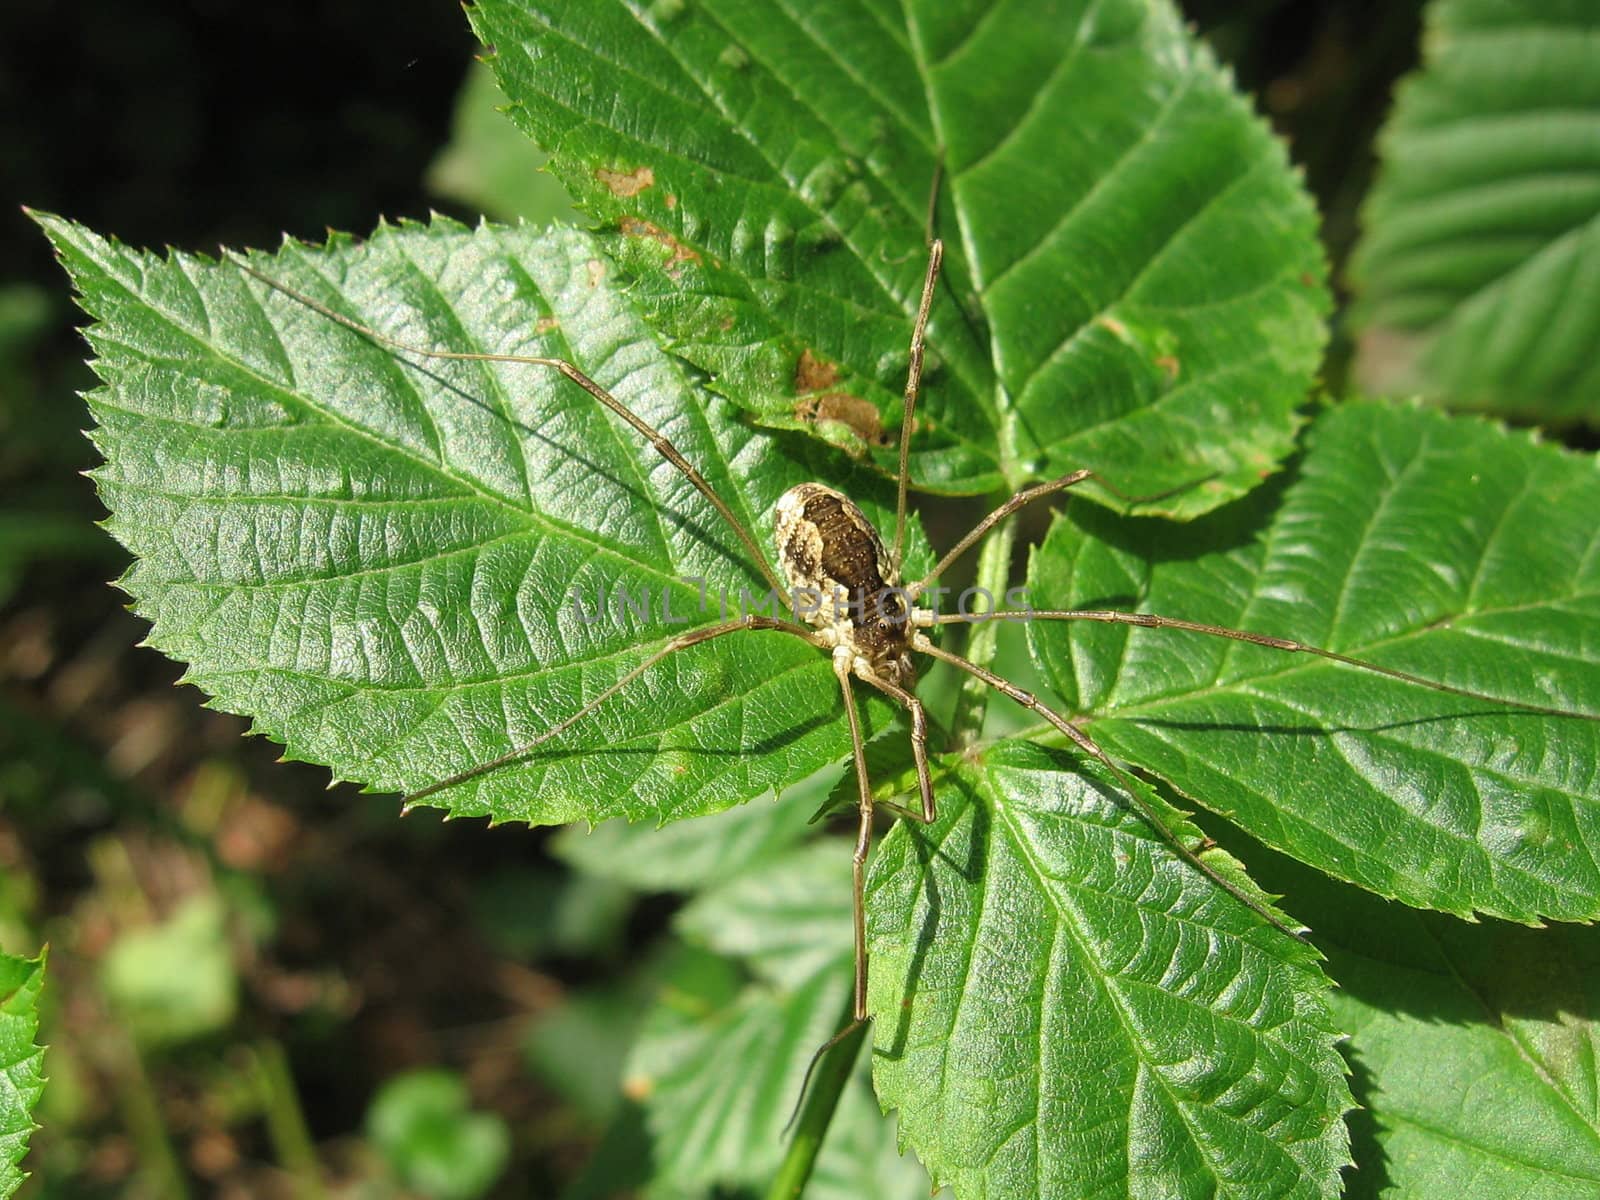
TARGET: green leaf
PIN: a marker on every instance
(767, 166)
(490, 166)
(423, 1124)
(1480, 267)
(1446, 548)
(21, 1060)
(577, 1048)
(720, 1059)
(174, 982)
(1473, 1046)
(1436, 1010)
(373, 556)
(1082, 1013)
(788, 921)
(683, 856)
(720, 1070)
(376, 556)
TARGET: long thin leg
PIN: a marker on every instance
(858, 748)
(919, 743)
(1088, 745)
(913, 384)
(1020, 500)
(1154, 621)
(919, 751)
(658, 440)
(1028, 496)
(930, 219)
(841, 668)
(681, 642)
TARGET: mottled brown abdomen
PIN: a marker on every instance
(828, 548)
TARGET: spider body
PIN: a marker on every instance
(843, 582)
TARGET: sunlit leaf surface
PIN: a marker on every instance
(21, 1061)
(1137, 284)
(1442, 547)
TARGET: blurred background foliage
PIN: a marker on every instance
(258, 986)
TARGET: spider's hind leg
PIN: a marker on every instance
(1129, 790)
(864, 809)
(919, 749)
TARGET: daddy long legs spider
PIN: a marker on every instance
(843, 589)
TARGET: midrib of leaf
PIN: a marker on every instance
(1432, 1129)
(1196, 92)
(532, 519)
(1004, 397)
(1513, 1035)
(1001, 397)
(863, 255)
(1112, 985)
(535, 522)
(1009, 133)
(199, 341)
(974, 1155)
(974, 701)
(788, 189)
(1066, 219)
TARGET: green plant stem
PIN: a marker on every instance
(994, 573)
(141, 1109)
(286, 1124)
(816, 1114)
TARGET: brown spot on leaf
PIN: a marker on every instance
(1169, 364)
(626, 183)
(672, 201)
(634, 227)
(546, 324)
(813, 374)
(860, 416)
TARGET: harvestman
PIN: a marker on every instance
(827, 548)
